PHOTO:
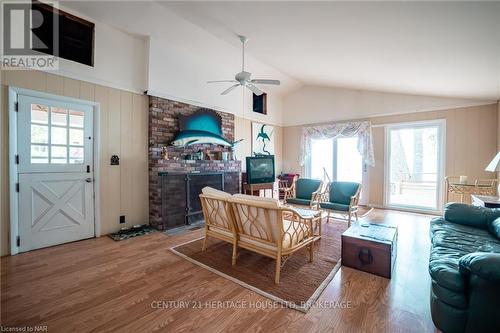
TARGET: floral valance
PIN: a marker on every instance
(361, 129)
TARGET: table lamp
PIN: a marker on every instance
(494, 166)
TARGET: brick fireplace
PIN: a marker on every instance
(175, 183)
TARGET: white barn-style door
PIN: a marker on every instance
(55, 172)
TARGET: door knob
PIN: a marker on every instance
(88, 180)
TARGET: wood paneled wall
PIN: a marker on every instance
(471, 143)
(123, 131)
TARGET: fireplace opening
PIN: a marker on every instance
(194, 184)
(180, 192)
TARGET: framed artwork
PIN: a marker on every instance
(262, 139)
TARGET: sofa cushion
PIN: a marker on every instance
(214, 192)
(494, 228)
(478, 217)
(450, 297)
(446, 317)
(304, 188)
(263, 200)
(443, 268)
(457, 237)
(450, 242)
(297, 201)
(257, 217)
(341, 192)
(334, 206)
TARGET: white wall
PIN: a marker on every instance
(310, 104)
(120, 59)
(180, 73)
(182, 57)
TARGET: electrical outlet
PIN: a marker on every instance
(122, 219)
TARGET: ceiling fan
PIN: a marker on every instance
(244, 78)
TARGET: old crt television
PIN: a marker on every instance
(260, 169)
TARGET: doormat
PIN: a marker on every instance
(132, 232)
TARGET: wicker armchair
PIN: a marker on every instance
(343, 198)
(286, 188)
(305, 192)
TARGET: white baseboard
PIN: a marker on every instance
(409, 210)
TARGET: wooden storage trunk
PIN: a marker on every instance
(370, 248)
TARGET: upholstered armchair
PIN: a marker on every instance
(219, 219)
(343, 198)
(262, 228)
(305, 192)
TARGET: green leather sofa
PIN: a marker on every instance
(464, 266)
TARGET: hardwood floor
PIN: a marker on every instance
(101, 285)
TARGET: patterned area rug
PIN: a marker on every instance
(301, 283)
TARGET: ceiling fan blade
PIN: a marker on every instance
(229, 89)
(266, 81)
(254, 89)
(217, 81)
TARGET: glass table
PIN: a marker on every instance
(479, 187)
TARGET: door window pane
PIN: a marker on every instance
(39, 114)
(76, 137)
(58, 136)
(39, 154)
(349, 161)
(414, 167)
(76, 155)
(321, 158)
(58, 154)
(58, 117)
(76, 118)
(39, 134)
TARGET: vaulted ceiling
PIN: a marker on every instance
(449, 49)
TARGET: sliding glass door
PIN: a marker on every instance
(340, 159)
(414, 165)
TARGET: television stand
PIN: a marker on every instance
(254, 189)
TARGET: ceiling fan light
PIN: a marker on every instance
(244, 78)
